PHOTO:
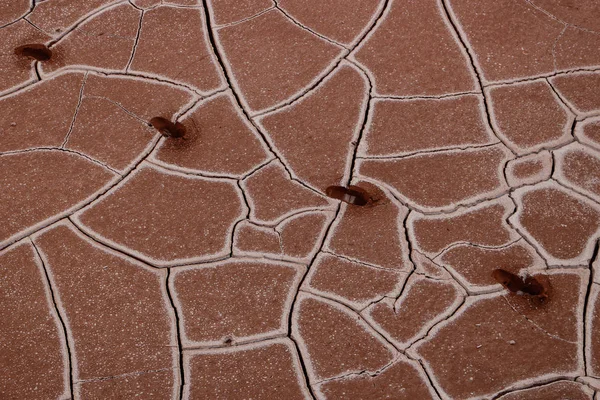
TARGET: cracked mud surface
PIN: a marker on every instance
(134, 265)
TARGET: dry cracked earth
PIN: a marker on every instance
(214, 266)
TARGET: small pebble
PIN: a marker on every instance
(512, 342)
(13, 124)
(479, 346)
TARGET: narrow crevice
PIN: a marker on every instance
(480, 246)
(135, 6)
(297, 214)
(586, 304)
(505, 173)
(409, 243)
(11, 23)
(107, 246)
(280, 239)
(554, 17)
(76, 112)
(360, 373)
(454, 279)
(433, 278)
(410, 259)
(576, 190)
(456, 149)
(175, 5)
(225, 257)
(305, 28)
(83, 20)
(361, 133)
(130, 74)
(438, 323)
(235, 343)
(303, 367)
(97, 162)
(509, 82)
(374, 302)
(455, 207)
(456, 311)
(137, 38)
(327, 296)
(298, 181)
(235, 225)
(532, 322)
(36, 69)
(241, 21)
(379, 335)
(133, 256)
(429, 379)
(305, 92)
(486, 105)
(353, 260)
(281, 220)
(518, 232)
(560, 35)
(121, 107)
(58, 314)
(34, 26)
(263, 257)
(111, 377)
(310, 264)
(384, 7)
(139, 75)
(16, 89)
(533, 386)
(178, 332)
(438, 97)
(245, 198)
(24, 16)
(562, 101)
(193, 174)
(182, 114)
(552, 165)
(257, 168)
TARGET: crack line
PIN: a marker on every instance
(425, 97)
(128, 374)
(94, 13)
(76, 111)
(586, 304)
(508, 82)
(536, 325)
(91, 159)
(425, 152)
(554, 47)
(532, 386)
(58, 314)
(562, 100)
(258, 14)
(137, 39)
(178, 333)
(303, 27)
(554, 17)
